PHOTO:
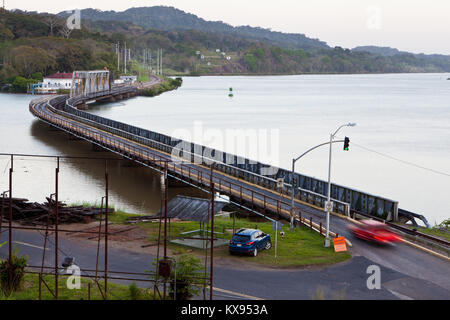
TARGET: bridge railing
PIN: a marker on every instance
(252, 197)
(309, 189)
(301, 194)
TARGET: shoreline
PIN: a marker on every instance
(267, 75)
(299, 74)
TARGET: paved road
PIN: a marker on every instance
(343, 281)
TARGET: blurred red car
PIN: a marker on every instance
(375, 231)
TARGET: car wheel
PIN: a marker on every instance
(268, 245)
(255, 252)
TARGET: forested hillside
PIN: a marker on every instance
(33, 45)
(170, 19)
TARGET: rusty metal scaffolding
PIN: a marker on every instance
(88, 82)
(99, 275)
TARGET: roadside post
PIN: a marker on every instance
(276, 226)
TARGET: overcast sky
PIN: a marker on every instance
(409, 25)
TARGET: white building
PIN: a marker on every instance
(128, 79)
(54, 82)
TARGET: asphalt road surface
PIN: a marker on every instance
(346, 280)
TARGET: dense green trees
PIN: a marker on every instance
(27, 60)
(32, 43)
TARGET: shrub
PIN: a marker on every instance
(11, 275)
(20, 84)
(135, 292)
(188, 269)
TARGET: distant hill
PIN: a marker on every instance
(383, 51)
(33, 45)
(171, 19)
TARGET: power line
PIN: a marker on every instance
(402, 161)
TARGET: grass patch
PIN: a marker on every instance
(120, 217)
(435, 231)
(30, 290)
(87, 204)
(299, 247)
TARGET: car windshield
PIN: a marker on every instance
(240, 238)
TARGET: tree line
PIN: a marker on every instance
(33, 45)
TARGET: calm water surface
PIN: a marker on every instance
(403, 116)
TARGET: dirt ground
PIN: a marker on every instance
(135, 239)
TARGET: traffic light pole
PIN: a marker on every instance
(293, 173)
(329, 205)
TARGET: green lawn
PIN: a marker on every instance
(299, 247)
(30, 290)
(432, 232)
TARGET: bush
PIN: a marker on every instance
(135, 292)
(251, 62)
(188, 269)
(11, 275)
(37, 76)
(20, 84)
(167, 85)
(445, 224)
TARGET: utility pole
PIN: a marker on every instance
(157, 61)
(161, 62)
(118, 56)
(329, 204)
(150, 61)
(125, 59)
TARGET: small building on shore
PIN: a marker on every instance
(53, 83)
(128, 79)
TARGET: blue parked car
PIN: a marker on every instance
(249, 241)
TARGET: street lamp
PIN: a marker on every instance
(303, 154)
(329, 204)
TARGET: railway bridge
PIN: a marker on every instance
(241, 179)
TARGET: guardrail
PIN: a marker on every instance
(108, 125)
(405, 229)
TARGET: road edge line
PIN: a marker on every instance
(440, 255)
(236, 294)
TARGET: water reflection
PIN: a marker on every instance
(131, 188)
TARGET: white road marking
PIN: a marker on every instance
(248, 297)
(28, 245)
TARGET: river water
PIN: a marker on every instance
(400, 148)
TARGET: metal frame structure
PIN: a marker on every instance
(97, 275)
(89, 82)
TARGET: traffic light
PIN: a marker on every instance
(346, 143)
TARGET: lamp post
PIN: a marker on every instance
(329, 204)
(329, 174)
